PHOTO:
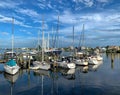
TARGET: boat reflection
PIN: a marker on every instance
(83, 69)
(68, 73)
(95, 67)
(11, 79)
(41, 72)
(1, 68)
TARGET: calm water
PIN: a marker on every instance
(103, 79)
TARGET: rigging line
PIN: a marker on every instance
(80, 39)
(56, 35)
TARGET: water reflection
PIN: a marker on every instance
(41, 73)
(83, 80)
(68, 73)
(114, 59)
(95, 67)
(11, 79)
(83, 69)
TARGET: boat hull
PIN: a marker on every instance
(41, 65)
(64, 64)
(11, 69)
(93, 61)
(81, 62)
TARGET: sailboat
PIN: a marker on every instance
(66, 64)
(35, 66)
(11, 66)
(66, 61)
(42, 64)
(81, 61)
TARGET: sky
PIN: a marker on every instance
(101, 19)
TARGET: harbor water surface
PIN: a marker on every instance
(102, 79)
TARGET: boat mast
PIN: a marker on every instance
(52, 38)
(81, 40)
(12, 35)
(73, 36)
(48, 42)
(58, 33)
(38, 40)
(43, 40)
(83, 37)
(56, 36)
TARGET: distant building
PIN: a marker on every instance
(113, 48)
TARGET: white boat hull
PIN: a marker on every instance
(35, 67)
(11, 69)
(93, 61)
(81, 62)
(95, 67)
(99, 58)
(41, 65)
(64, 64)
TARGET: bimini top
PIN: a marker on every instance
(11, 63)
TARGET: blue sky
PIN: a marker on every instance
(100, 17)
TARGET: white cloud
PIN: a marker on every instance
(22, 24)
(4, 33)
(8, 4)
(29, 12)
(25, 31)
(50, 6)
(91, 17)
(103, 1)
(42, 6)
(70, 18)
(114, 17)
(19, 17)
(45, 5)
(5, 19)
(94, 23)
(88, 3)
(66, 18)
(29, 33)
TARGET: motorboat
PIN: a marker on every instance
(11, 67)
